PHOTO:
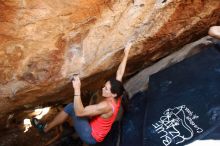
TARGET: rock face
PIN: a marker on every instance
(42, 43)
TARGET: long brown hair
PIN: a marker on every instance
(118, 88)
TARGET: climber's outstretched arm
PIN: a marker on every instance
(121, 68)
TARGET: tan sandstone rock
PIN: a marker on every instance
(42, 43)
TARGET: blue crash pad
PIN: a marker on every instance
(184, 102)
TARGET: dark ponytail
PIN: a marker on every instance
(118, 88)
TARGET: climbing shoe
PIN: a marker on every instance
(38, 125)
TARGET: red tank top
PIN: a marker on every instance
(100, 126)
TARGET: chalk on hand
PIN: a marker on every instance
(72, 77)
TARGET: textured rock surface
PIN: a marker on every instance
(42, 43)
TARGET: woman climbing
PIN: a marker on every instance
(93, 122)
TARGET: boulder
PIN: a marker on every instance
(43, 43)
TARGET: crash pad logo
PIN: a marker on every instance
(177, 125)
